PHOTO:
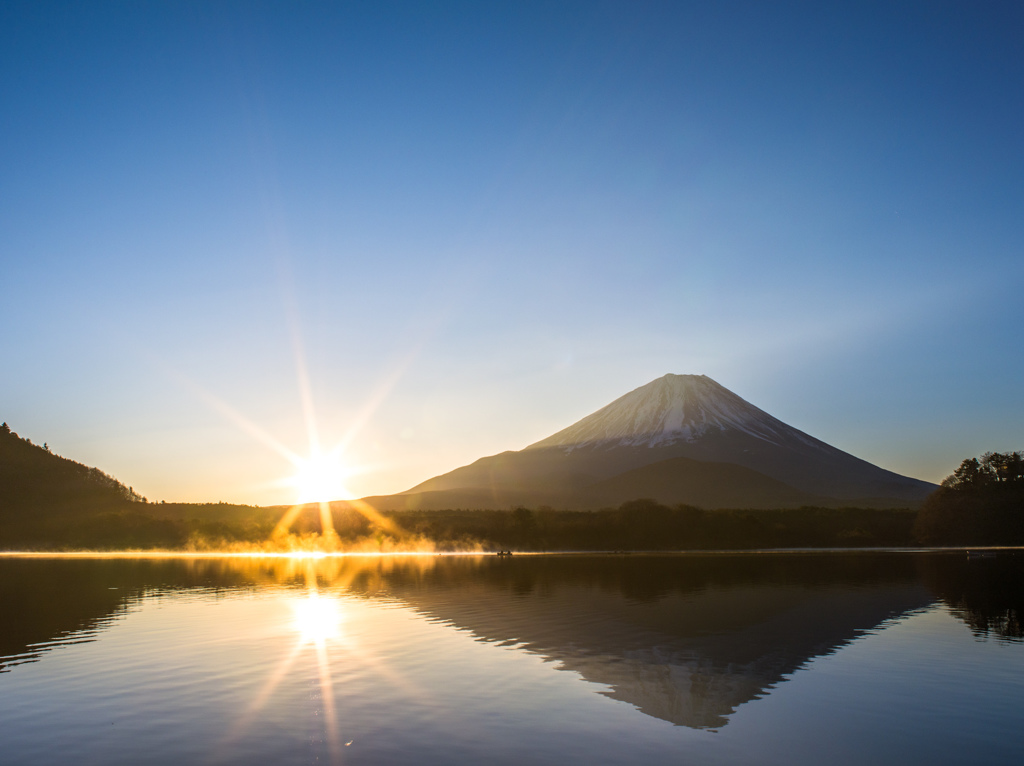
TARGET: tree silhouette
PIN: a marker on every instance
(992, 468)
(980, 503)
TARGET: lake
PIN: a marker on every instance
(783, 658)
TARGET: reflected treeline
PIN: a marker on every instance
(45, 602)
(683, 638)
(985, 591)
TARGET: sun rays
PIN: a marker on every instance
(319, 477)
(318, 617)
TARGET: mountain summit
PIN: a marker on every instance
(678, 439)
(671, 409)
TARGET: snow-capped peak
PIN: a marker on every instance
(668, 410)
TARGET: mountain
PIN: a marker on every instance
(678, 439)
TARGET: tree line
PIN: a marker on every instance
(980, 503)
(49, 502)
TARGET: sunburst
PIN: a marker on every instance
(321, 477)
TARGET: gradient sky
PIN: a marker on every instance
(451, 229)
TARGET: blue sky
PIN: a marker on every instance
(451, 229)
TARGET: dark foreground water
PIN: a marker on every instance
(756, 659)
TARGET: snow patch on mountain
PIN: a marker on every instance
(669, 410)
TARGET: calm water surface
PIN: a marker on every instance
(760, 659)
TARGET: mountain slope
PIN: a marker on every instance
(682, 481)
(675, 416)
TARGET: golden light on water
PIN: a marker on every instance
(317, 619)
(317, 624)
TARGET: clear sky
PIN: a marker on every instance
(437, 231)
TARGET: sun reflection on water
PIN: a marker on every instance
(317, 619)
(320, 628)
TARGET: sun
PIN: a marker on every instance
(320, 478)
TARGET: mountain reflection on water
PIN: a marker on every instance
(686, 639)
(683, 639)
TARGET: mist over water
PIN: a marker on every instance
(780, 658)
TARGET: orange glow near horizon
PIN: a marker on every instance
(319, 478)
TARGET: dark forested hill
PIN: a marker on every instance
(45, 497)
(34, 480)
(48, 502)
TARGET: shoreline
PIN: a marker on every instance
(165, 554)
